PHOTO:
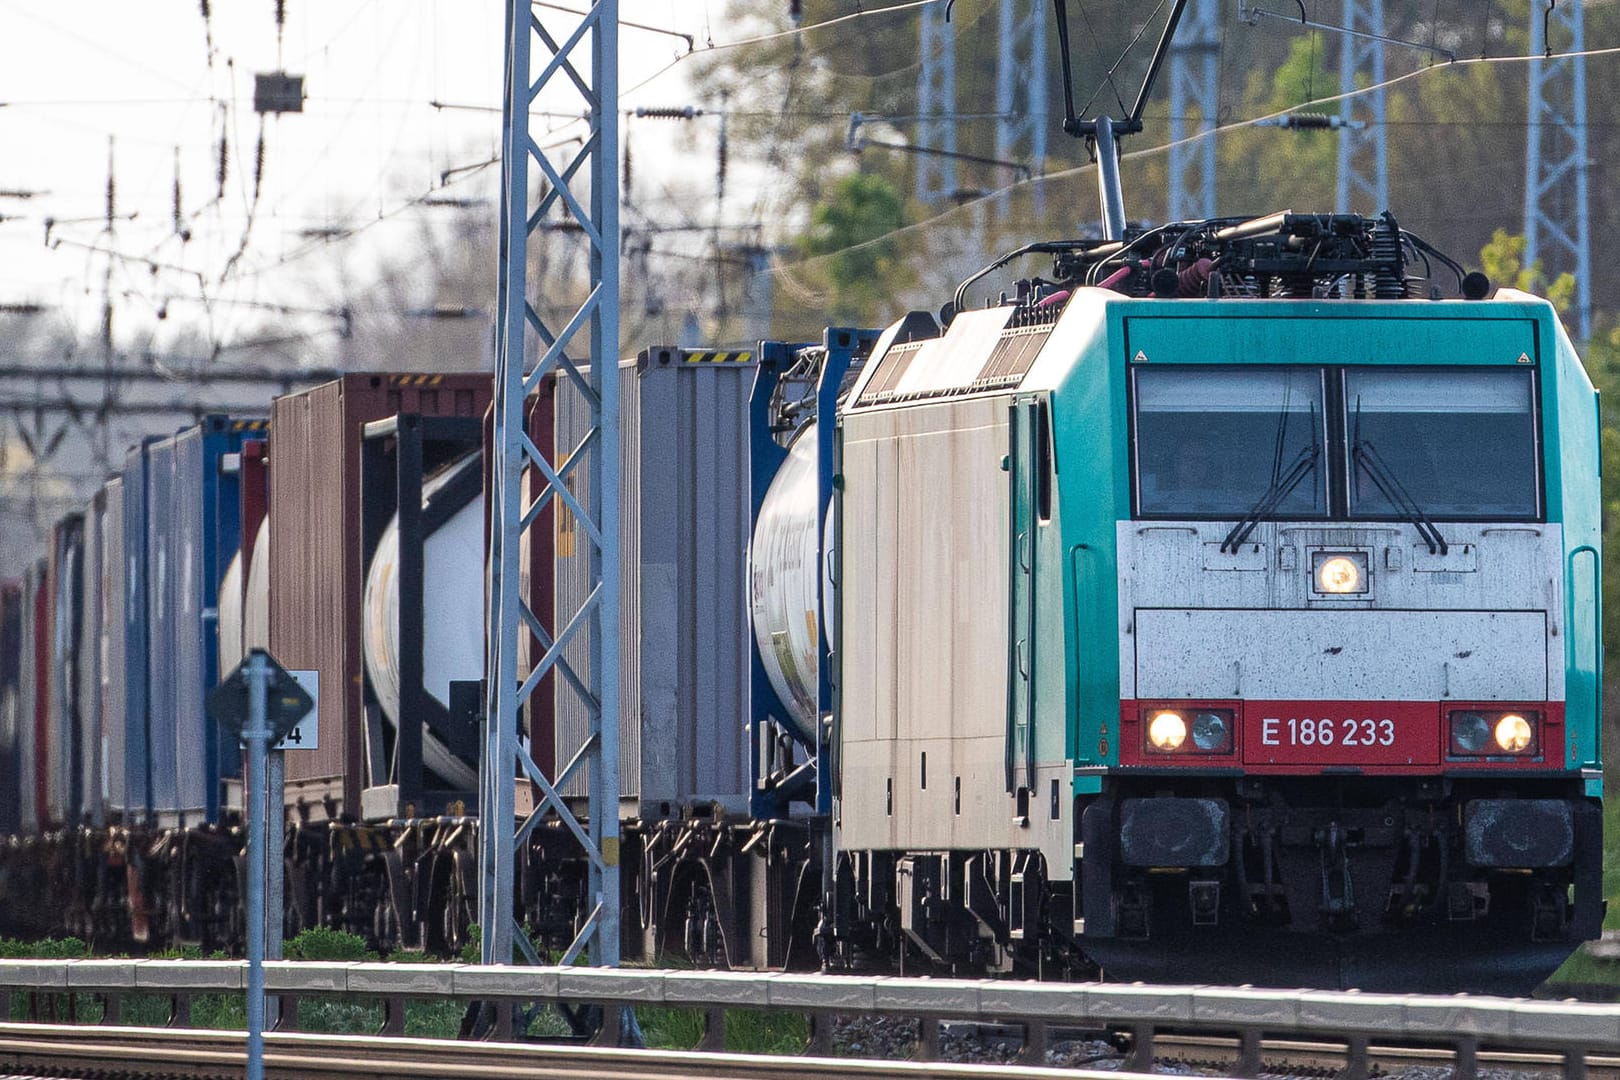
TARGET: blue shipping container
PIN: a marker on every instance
(194, 527)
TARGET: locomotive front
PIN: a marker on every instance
(1359, 652)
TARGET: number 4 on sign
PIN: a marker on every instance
(306, 734)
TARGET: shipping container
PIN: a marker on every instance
(11, 659)
(254, 480)
(87, 742)
(63, 723)
(114, 658)
(193, 529)
(34, 699)
(315, 555)
(684, 507)
(138, 600)
(536, 576)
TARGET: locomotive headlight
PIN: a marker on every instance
(1338, 573)
(1469, 730)
(1167, 730)
(1487, 733)
(1212, 731)
(1513, 733)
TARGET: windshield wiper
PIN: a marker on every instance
(1367, 457)
(1304, 465)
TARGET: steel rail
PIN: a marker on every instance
(1569, 1032)
(338, 1057)
(1281, 1056)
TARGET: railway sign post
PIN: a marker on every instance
(259, 702)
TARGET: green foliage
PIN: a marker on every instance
(69, 948)
(852, 227)
(751, 1032)
(670, 1029)
(1503, 262)
(1303, 77)
(747, 1031)
(321, 943)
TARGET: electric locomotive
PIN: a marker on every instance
(1222, 608)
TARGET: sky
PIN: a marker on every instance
(164, 84)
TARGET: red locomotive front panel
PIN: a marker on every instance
(1341, 733)
(1373, 737)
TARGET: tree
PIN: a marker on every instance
(1503, 260)
(850, 227)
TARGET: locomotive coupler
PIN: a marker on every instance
(1338, 887)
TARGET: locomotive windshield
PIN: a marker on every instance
(1459, 444)
(1215, 442)
(1405, 443)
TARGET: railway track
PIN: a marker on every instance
(128, 1053)
(1293, 1057)
(131, 1053)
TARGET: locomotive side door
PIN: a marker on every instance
(1024, 476)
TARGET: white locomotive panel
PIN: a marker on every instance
(1482, 622)
(1341, 655)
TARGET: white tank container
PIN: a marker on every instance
(786, 564)
(244, 620)
(256, 609)
(230, 617)
(453, 629)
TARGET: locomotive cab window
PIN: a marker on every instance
(1215, 442)
(1458, 444)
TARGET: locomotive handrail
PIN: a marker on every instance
(1597, 633)
(1570, 1029)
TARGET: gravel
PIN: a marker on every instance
(883, 1038)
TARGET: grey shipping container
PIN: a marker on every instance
(87, 744)
(194, 526)
(138, 601)
(112, 662)
(63, 724)
(32, 700)
(162, 597)
(683, 535)
(316, 576)
(11, 666)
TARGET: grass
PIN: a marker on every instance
(1581, 967)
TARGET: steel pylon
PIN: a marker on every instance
(1194, 88)
(936, 105)
(1557, 223)
(579, 66)
(1021, 106)
(1363, 138)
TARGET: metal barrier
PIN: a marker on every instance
(1463, 1023)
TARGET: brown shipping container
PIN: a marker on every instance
(315, 573)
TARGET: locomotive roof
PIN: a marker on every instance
(996, 350)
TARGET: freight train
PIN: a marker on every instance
(1221, 604)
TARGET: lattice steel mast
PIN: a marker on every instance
(1557, 223)
(1194, 88)
(1363, 141)
(580, 69)
(1021, 78)
(936, 106)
